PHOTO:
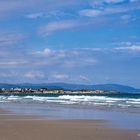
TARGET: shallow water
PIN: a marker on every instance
(123, 110)
(119, 119)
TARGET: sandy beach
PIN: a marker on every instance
(20, 127)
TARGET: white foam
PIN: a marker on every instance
(137, 100)
(74, 99)
(133, 102)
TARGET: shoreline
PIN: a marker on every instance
(125, 119)
(56, 91)
(15, 127)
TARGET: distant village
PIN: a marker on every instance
(51, 91)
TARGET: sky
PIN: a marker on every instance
(71, 41)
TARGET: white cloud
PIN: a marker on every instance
(102, 3)
(55, 14)
(34, 15)
(8, 7)
(34, 75)
(58, 26)
(94, 12)
(48, 51)
(69, 58)
(83, 61)
(93, 49)
(76, 65)
(113, 1)
(12, 63)
(59, 76)
(124, 43)
(90, 12)
(84, 78)
(10, 39)
(8, 74)
(133, 48)
(91, 61)
(45, 52)
(126, 17)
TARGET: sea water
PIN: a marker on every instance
(123, 110)
(119, 100)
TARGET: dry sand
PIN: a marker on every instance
(16, 127)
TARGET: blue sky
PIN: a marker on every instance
(77, 41)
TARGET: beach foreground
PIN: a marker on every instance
(21, 127)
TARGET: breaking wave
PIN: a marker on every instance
(75, 99)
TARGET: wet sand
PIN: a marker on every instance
(17, 127)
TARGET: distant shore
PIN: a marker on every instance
(54, 91)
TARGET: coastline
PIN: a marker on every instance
(55, 91)
(15, 127)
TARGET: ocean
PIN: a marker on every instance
(123, 110)
(116, 100)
